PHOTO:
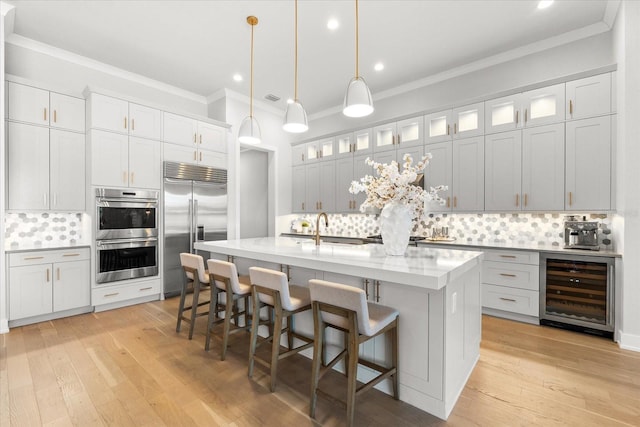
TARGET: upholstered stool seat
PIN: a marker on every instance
(270, 288)
(346, 308)
(197, 276)
(224, 278)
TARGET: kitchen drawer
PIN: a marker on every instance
(520, 257)
(522, 276)
(110, 294)
(514, 300)
(48, 256)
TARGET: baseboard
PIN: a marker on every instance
(629, 341)
(4, 326)
(511, 316)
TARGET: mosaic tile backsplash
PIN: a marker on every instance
(519, 228)
(42, 228)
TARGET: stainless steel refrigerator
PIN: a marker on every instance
(195, 209)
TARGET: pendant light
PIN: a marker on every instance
(249, 132)
(357, 100)
(295, 118)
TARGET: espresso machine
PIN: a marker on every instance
(581, 234)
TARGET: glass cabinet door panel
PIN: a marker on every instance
(343, 143)
(363, 140)
(544, 105)
(410, 131)
(503, 114)
(384, 137)
(438, 127)
(326, 148)
(312, 151)
(468, 121)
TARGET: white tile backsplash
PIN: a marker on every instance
(43, 228)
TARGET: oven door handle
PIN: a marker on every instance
(123, 243)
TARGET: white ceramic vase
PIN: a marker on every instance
(395, 228)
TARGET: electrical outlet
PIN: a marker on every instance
(454, 302)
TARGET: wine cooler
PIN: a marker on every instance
(576, 293)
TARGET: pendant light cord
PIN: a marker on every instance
(295, 88)
(251, 84)
(357, 42)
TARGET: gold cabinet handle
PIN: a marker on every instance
(58, 274)
(455, 202)
(571, 107)
(525, 199)
(525, 115)
(195, 138)
(508, 275)
(201, 156)
(45, 114)
(76, 254)
(320, 205)
(47, 275)
(200, 138)
(29, 258)
(146, 289)
(508, 256)
(455, 128)
(55, 116)
(507, 299)
(570, 198)
(124, 177)
(365, 286)
(302, 205)
(448, 129)
(132, 176)
(195, 156)
(377, 291)
(398, 139)
(448, 201)
(517, 116)
(133, 124)
(112, 295)
(517, 200)
(303, 157)
(125, 122)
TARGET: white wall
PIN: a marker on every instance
(4, 315)
(591, 53)
(627, 225)
(254, 192)
(74, 73)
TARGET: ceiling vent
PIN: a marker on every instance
(271, 97)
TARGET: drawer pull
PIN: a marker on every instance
(146, 289)
(112, 295)
(33, 257)
(508, 256)
(508, 299)
(508, 275)
(71, 255)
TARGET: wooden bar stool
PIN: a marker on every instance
(224, 277)
(196, 275)
(345, 308)
(270, 288)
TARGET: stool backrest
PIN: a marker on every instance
(339, 295)
(194, 261)
(271, 279)
(224, 269)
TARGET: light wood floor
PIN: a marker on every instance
(129, 367)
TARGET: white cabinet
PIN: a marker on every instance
(439, 172)
(468, 174)
(588, 97)
(122, 161)
(320, 187)
(45, 168)
(524, 170)
(461, 122)
(298, 154)
(45, 282)
(194, 133)
(347, 170)
(510, 284)
(299, 182)
(532, 108)
(38, 106)
(588, 164)
(354, 143)
(117, 115)
(184, 154)
(403, 133)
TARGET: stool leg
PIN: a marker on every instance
(318, 332)
(394, 358)
(227, 323)
(194, 306)
(275, 348)
(211, 318)
(183, 295)
(255, 322)
(353, 374)
(290, 327)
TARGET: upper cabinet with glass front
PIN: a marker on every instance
(461, 122)
(532, 108)
(314, 151)
(358, 142)
(403, 133)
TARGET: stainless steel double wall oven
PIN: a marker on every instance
(126, 234)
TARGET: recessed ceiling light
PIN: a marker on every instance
(237, 77)
(332, 24)
(379, 66)
(543, 4)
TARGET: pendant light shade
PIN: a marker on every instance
(249, 132)
(295, 118)
(357, 101)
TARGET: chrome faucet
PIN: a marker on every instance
(326, 223)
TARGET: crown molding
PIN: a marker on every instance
(65, 55)
(611, 12)
(8, 12)
(562, 39)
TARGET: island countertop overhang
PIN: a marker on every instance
(428, 268)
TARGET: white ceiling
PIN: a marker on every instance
(197, 46)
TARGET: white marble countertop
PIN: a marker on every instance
(424, 267)
(30, 246)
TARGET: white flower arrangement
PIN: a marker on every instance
(391, 185)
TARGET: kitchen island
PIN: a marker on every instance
(436, 291)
